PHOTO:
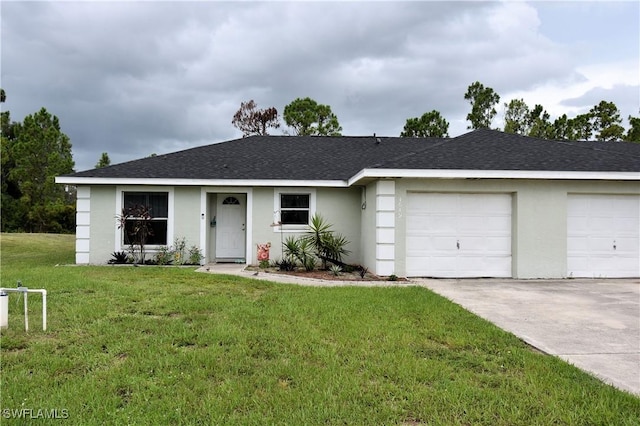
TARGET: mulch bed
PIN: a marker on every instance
(324, 275)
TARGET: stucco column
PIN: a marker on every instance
(385, 227)
(83, 224)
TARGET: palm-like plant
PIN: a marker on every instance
(299, 250)
(328, 247)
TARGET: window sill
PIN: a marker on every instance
(291, 228)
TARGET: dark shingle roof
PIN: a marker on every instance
(486, 149)
(339, 158)
(268, 157)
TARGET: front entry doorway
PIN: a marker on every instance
(231, 227)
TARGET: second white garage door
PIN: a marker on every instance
(603, 236)
(458, 235)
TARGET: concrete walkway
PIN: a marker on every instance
(592, 324)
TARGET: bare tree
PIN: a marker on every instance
(253, 121)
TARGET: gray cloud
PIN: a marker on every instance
(138, 78)
(626, 98)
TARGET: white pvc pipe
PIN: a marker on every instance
(26, 313)
(4, 310)
(26, 290)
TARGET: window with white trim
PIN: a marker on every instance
(293, 208)
(157, 206)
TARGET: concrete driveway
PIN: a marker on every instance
(592, 324)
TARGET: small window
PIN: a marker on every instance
(157, 204)
(233, 201)
(294, 209)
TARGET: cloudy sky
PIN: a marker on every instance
(136, 78)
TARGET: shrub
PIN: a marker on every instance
(178, 254)
(290, 250)
(299, 250)
(319, 243)
(119, 257)
(327, 245)
(195, 255)
(286, 265)
(335, 270)
(136, 223)
(363, 272)
(164, 256)
(179, 245)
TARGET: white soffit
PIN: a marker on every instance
(490, 174)
(71, 180)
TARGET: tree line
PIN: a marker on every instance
(33, 153)
(305, 116)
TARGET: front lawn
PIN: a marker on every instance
(154, 345)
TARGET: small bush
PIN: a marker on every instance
(363, 272)
(264, 264)
(195, 255)
(164, 256)
(286, 265)
(393, 277)
(119, 257)
(178, 254)
(335, 270)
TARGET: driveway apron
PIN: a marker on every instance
(592, 324)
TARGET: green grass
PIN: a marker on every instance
(154, 345)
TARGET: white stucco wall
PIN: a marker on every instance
(262, 217)
(341, 207)
(539, 218)
(368, 228)
(187, 217)
(338, 206)
(103, 223)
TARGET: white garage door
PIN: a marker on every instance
(603, 236)
(458, 235)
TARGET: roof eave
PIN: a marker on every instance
(367, 174)
(361, 177)
(75, 180)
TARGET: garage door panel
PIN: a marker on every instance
(626, 245)
(600, 225)
(443, 244)
(421, 221)
(627, 224)
(428, 205)
(498, 245)
(467, 235)
(599, 245)
(439, 224)
(496, 267)
(603, 235)
(469, 224)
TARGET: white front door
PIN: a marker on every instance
(603, 236)
(458, 235)
(230, 226)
